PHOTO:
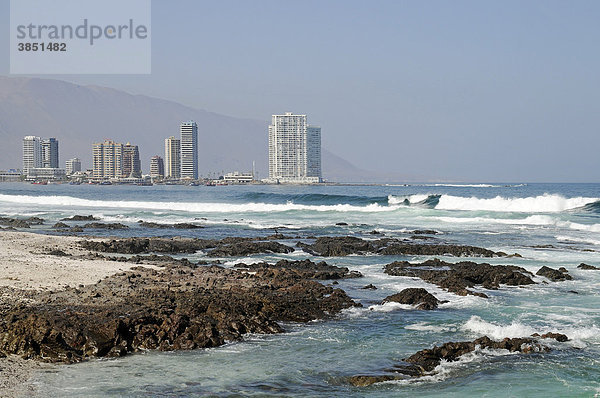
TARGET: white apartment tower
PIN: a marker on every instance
(294, 150)
(189, 150)
(32, 153)
(172, 158)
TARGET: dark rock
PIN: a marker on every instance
(147, 224)
(437, 250)
(375, 232)
(21, 222)
(305, 269)
(414, 296)
(80, 218)
(424, 362)
(458, 277)
(176, 308)
(99, 225)
(588, 267)
(247, 248)
(424, 232)
(370, 286)
(563, 270)
(60, 225)
(341, 246)
(75, 229)
(556, 336)
(341, 223)
(553, 274)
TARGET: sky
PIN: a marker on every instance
(452, 90)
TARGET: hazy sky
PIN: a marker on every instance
(464, 90)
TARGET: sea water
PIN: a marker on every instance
(557, 225)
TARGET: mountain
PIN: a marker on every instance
(80, 115)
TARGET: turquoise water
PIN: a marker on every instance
(548, 224)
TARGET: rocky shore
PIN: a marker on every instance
(424, 362)
(166, 305)
(65, 299)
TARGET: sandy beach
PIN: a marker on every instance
(25, 264)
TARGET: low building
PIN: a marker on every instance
(238, 178)
(157, 167)
(73, 166)
(45, 173)
(11, 175)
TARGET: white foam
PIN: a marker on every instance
(497, 332)
(539, 204)
(577, 240)
(425, 327)
(68, 201)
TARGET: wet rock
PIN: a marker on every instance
(438, 250)
(424, 232)
(341, 246)
(375, 232)
(21, 222)
(147, 224)
(424, 362)
(370, 286)
(75, 229)
(175, 308)
(60, 225)
(148, 245)
(587, 267)
(341, 223)
(414, 296)
(247, 248)
(305, 269)
(563, 270)
(99, 225)
(80, 218)
(458, 277)
(553, 274)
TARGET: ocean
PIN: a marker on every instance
(557, 225)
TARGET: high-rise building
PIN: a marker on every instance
(157, 167)
(189, 149)
(73, 166)
(172, 158)
(294, 150)
(32, 153)
(50, 153)
(131, 161)
(108, 156)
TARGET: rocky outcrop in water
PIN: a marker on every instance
(177, 308)
(21, 222)
(346, 245)
(248, 248)
(414, 296)
(303, 268)
(78, 217)
(100, 225)
(147, 224)
(553, 274)
(585, 266)
(458, 277)
(227, 247)
(438, 250)
(425, 361)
